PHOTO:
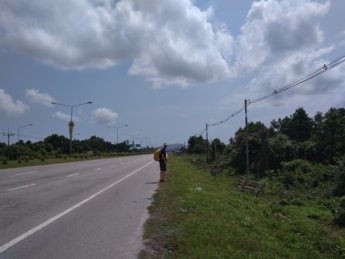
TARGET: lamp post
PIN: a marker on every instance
(71, 123)
(27, 125)
(117, 134)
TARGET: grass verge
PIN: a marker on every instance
(197, 215)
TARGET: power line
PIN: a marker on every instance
(315, 73)
(227, 118)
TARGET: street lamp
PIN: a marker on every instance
(117, 134)
(27, 125)
(71, 123)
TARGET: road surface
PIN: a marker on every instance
(89, 209)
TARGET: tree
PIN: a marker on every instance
(217, 148)
(333, 134)
(258, 136)
(197, 145)
(57, 142)
(281, 149)
(298, 127)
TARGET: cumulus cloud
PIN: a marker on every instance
(62, 116)
(341, 38)
(282, 42)
(104, 116)
(11, 107)
(65, 117)
(276, 29)
(170, 42)
(35, 96)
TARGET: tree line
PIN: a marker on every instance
(318, 140)
(56, 146)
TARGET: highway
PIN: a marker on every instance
(89, 209)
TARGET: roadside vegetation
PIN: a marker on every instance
(55, 149)
(198, 213)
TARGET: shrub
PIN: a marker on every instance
(340, 219)
(342, 202)
(294, 172)
(339, 171)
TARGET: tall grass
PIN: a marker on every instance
(197, 215)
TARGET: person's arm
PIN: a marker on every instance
(165, 157)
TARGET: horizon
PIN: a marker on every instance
(165, 72)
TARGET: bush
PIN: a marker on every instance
(301, 173)
(294, 172)
(340, 219)
(342, 203)
(339, 171)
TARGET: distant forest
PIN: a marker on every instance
(57, 146)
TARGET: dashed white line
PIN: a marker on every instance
(97, 169)
(33, 172)
(49, 221)
(71, 175)
(21, 187)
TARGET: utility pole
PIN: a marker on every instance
(8, 134)
(207, 142)
(247, 146)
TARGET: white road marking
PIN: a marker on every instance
(71, 175)
(21, 187)
(97, 169)
(51, 220)
(33, 172)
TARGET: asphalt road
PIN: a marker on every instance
(90, 209)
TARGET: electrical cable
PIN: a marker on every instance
(317, 72)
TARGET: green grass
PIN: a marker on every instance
(197, 215)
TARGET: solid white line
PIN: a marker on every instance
(49, 221)
(21, 187)
(71, 175)
(33, 172)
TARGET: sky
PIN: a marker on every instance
(164, 68)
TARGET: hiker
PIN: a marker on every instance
(163, 162)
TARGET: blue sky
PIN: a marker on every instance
(165, 68)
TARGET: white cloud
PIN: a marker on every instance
(280, 43)
(35, 96)
(341, 38)
(275, 30)
(65, 117)
(10, 107)
(104, 116)
(171, 42)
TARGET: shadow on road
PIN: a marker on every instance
(152, 182)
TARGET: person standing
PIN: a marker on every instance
(163, 162)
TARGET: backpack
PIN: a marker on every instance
(157, 154)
